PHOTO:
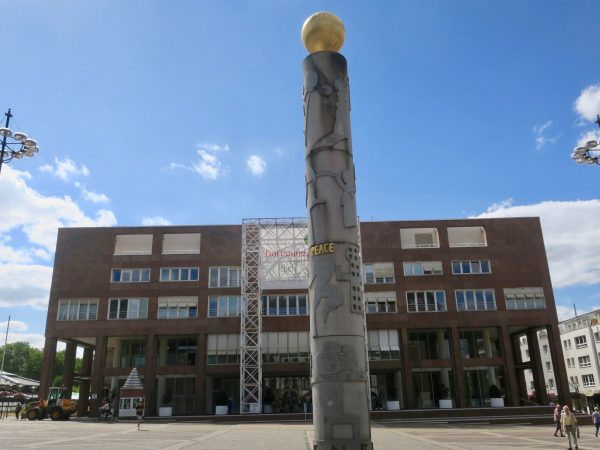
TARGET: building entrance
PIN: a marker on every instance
(286, 394)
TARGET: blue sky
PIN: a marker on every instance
(190, 112)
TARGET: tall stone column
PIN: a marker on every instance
(339, 368)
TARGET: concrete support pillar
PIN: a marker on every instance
(84, 386)
(558, 363)
(69, 367)
(459, 375)
(408, 379)
(116, 355)
(442, 344)
(398, 383)
(510, 375)
(487, 345)
(148, 372)
(98, 373)
(539, 380)
(47, 366)
(201, 375)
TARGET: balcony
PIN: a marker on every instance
(466, 237)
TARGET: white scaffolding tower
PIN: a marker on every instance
(251, 322)
(285, 241)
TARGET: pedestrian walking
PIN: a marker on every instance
(556, 415)
(596, 419)
(569, 426)
(139, 413)
(18, 410)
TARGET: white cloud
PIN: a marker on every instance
(91, 196)
(155, 221)
(540, 139)
(256, 165)
(278, 151)
(16, 333)
(38, 217)
(587, 104)
(571, 234)
(65, 168)
(209, 165)
(24, 284)
(15, 325)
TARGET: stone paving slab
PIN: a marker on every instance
(81, 434)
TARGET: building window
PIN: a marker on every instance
(466, 237)
(380, 302)
(471, 267)
(525, 298)
(177, 351)
(77, 309)
(419, 238)
(426, 301)
(428, 344)
(548, 366)
(128, 308)
(475, 300)
(181, 244)
(567, 345)
(550, 383)
(284, 305)
(379, 273)
(224, 305)
(132, 353)
(570, 362)
(179, 274)
(133, 244)
(580, 341)
(416, 268)
(223, 348)
(479, 343)
(546, 349)
(285, 347)
(588, 380)
(177, 307)
(383, 344)
(130, 275)
(584, 361)
(597, 336)
(223, 277)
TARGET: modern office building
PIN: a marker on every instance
(447, 303)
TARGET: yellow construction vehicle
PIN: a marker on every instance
(56, 406)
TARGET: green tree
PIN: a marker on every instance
(22, 359)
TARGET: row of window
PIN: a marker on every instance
(374, 273)
(583, 361)
(218, 276)
(172, 244)
(383, 273)
(580, 342)
(588, 380)
(189, 243)
(297, 305)
(293, 346)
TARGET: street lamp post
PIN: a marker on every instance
(588, 153)
(15, 145)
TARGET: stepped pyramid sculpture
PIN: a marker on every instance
(130, 394)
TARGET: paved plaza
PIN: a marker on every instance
(82, 434)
